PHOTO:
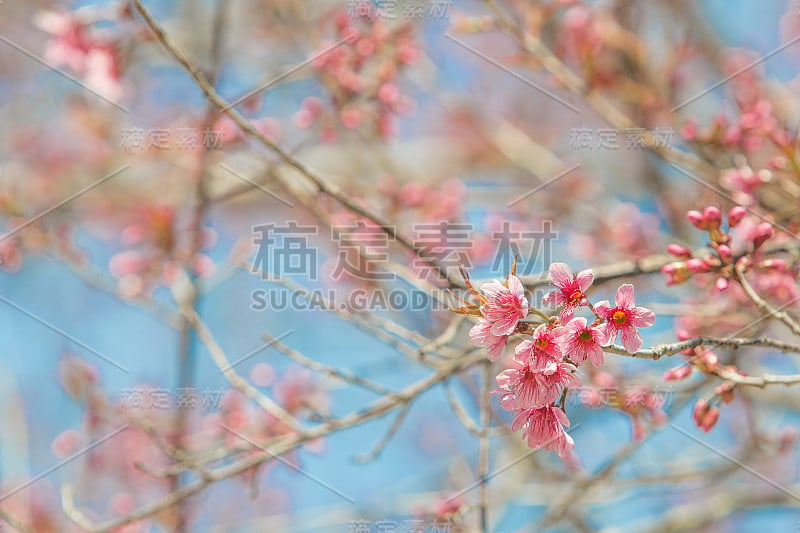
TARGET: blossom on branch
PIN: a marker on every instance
(625, 318)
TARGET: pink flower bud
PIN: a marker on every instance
(696, 218)
(704, 415)
(671, 268)
(303, 119)
(677, 373)
(763, 232)
(351, 118)
(732, 136)
(407, 54)
(66, 443)
(773, 265)
(697, 266)
(725, 391)
(350, 33)
(735, 215)
(713, 216)
(777, 163)
(722, 284)
(725, 253)
(679, 251)
(127, 262)
(689, 131)
(749, 120)
(707, 361)
(313, 105)
(388, 93)
(365, 47)
(676, 272)
(701, 407)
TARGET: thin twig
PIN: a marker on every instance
(326, 370)
(762, 305)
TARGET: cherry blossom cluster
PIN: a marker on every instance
(360, 77)
(724, 251)
(83, 49)
(761, 145)
(121, 469)
(544, 365)
(755, 125)
(155, 251)
(739, 247)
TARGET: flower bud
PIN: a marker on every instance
(689, 130)
(713, 216)
(696, 218)
(704, 415)
(676, 272)
(697, 266)
(773, 265)
(725, 391)
(679, 251)
(777, 163)
(678, 373)
(735, 215)
(764, 232)
(725, 253)
(706, 361)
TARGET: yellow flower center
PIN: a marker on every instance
(542, 343)
(619, 317)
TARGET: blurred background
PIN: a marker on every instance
(124, 196)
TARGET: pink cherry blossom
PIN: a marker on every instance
(545, 348)
(517, 387)
(481, 336)
(582, 342)
(70, 42)
(66, 443)
(543, 427)
(524, 387)
(553, 380)
(625, 318)
(103, 72)
(505, 306)
(570, 290)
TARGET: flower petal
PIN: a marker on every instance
(516, 288)
(497, 348)
(625, 296)
(575, 325)
(584, 279)
(596, 356)
(602, 308)
(561, 275)
(631, 339)
(642, 317)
